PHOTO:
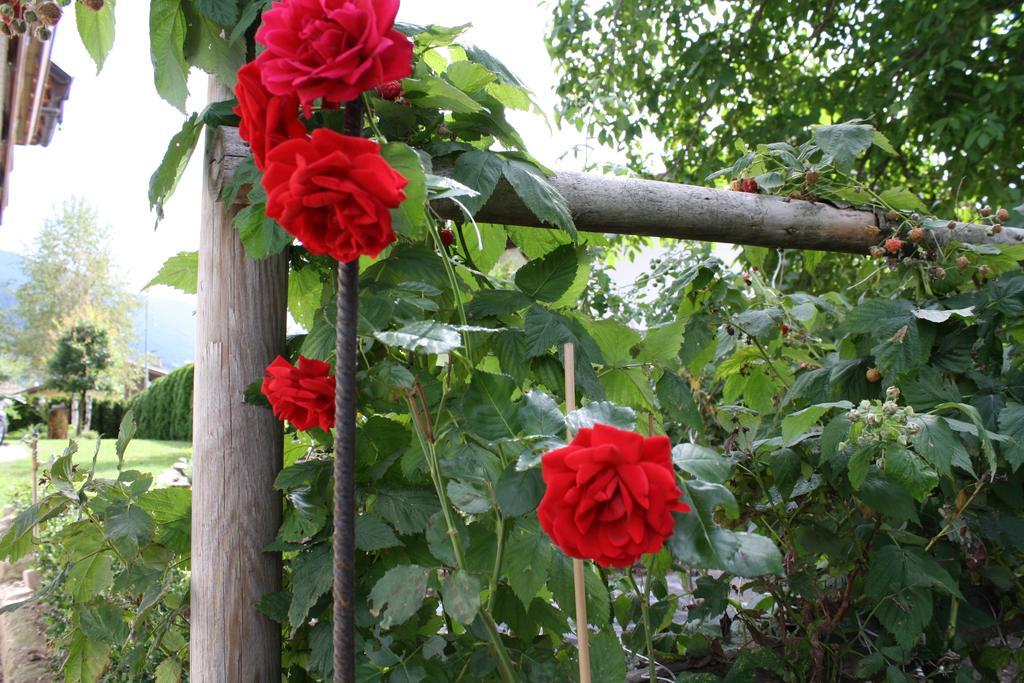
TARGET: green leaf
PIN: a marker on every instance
(468, 76)
(560, 582)
(206, 48)
(460, 593)
(488, 409)
(171, 510)
(911, 472)
(844, 142)
(677, 402)
(406, 509)
(480, 170)
(426, 336)
(661, 344)
(132, 524)
(1011, 423)
(879, 317)
(548, 278)
(125, 434)
(884, 495)
(539, 196)
(541, 416)
(168, 671)
(86, 661)
(431, 92)
(607, 658)
(165, 179)
(699, 542)
(180, 271)
(103, 623)
(902, 200)
(312, 577)
(882, 142)
(601, 412)
(519, 491)
(91, 576)
(527, 559)
(305, 289)
(398, 594)
(469, 497)
(702, 463)
(373, 533)
(167, 28)
(261, 236)
(937, 444)
(795, 424)
(223, 12)
(96, 29)
(496, 302)
(406, 161)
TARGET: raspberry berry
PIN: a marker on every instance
(1002, 215)
(997, 228)
(986, 211)
(938, 272)
(447, 237)
(916, 235)
(391, 91)
(893, 245)
(876, 251)
(811, 177)
(749, 185)
(783, 328)
(49, 13)
(963, 262)
(873, 375)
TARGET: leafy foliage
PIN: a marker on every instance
(728, 72)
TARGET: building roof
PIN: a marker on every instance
(33, 91)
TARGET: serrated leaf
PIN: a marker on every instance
(398, 594)
(167, 29)
(882, 142)
(607, 658)
(539, 196)
(180, 271)
(165, 178)
(496, 302)
(701, 462)
(908, 470)
(91, 576)
(86, 660)
(103, 623)
(1011, 423)
(407, 162)
(902, 200)
(602, 412)
(96, 29)
(519, 491)
(460, 594)
(261, 236)
(699, 542)
(548, 278)
(480, 170)
(541, 416)
(426, 336)
(844, 142)
(469, 76)
(312, 577)
(797, 423)
(223, 12)
(132, 524)
(305, 289)
(168, 671)
(560, 582)
(407, 510)
(431, 92)
(488, 409)
(527, 559)
(372, 533)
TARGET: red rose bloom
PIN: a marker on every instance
(267, 120)
(610, 495)
(334, 49)
(334, 193)
(302, 395)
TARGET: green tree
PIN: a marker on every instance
(70, 277)
(944, 80)
(83, 353)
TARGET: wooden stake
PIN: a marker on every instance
(579, 581)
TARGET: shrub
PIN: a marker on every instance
(164, 410)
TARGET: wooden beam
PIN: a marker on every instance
(631, 206)
(237, 448)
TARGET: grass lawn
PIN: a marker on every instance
(142, 455)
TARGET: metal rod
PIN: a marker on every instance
(345, 453)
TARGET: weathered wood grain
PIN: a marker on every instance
(237, 447)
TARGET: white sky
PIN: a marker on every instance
(116, 129)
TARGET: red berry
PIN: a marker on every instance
(916, 235)
(893, 245)
(447, 237)
(749, 185)
(784, 328)
(390, 91)
(736, 186)
(873, 375)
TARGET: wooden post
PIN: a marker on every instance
(237, 448)
(578, 577)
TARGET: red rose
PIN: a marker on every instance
(334, 193)
(610, 495)
(334, 49)
(302, 395)
(267, 120)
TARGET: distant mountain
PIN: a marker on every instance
(171, 322)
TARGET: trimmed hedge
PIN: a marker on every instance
(106, 416)
(164, 410)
